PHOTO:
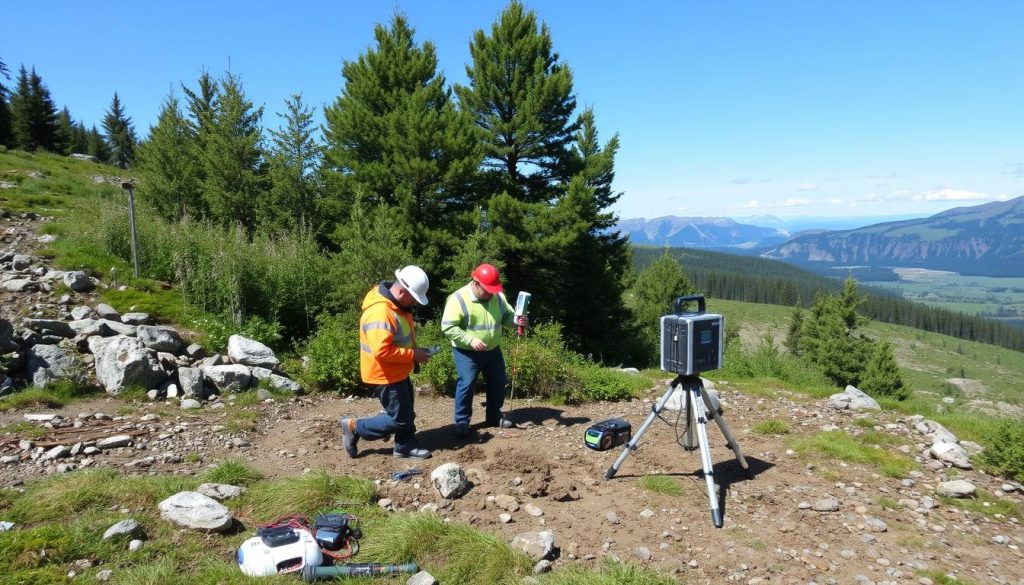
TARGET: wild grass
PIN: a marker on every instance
(54, 395)
(986, 504)
(865, 449)
(661, 484)
(610, 573)
(231, 472)
(464, 555)
(317, 490)
(772, 426)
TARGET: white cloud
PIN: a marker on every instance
(807, 187)
(753, 204)
(955, 195)
(796, 202)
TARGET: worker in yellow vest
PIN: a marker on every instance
(473, 319)
(387, 355)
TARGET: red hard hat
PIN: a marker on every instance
(487, 276)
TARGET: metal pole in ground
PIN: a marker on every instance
(128, 186)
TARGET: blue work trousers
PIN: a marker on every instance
(468, 364)
(398, 417)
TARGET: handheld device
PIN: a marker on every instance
(522, 308)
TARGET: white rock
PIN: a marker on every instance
(220, 491)
(250, 352)
(958, 488)
(196, 511)
(536, 545)
(449, 480)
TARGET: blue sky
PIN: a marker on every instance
(826, 109)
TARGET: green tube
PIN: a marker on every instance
(311, 573)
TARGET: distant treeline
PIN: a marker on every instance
(759, 280)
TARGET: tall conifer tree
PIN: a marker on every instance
(522, 98)
(120, 134)
(882, 375)
(33, 114)
(166, 160)
(96, 145)
(65, 132)
(395, 136)
(294, 194)
(234, 164)
(6, 138)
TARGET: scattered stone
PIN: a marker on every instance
(79, 313)
(135, 545)
(876, 525)
(78, 281)
(136, 319)
(505, 517)
(105, 311)
(104, 575)
(127, 527)
(542, 566)
(232, 378)
(48, 363)
(533, 510)
(536, 545)
(643, 553)
(449, 480)
(612, 517)
(853, 399)
(190, 404)
(422, 578)
(958, 488)
(951, 453)
(220, 491)
(196, 511)
(826, 505)
(114, 442)
(506, 502)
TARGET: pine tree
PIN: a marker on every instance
(96, 145)
(882, 375)
(65, 132)
(796, 325)
(522, 99)
(294, 195)
(120, 135)
(827, 342)
(172, 179)
(651, 296)
(6, 136)
(395, 136)
(80, 143)
(233, 159)
(33, 114)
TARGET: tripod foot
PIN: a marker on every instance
(716, 517)
(610, 473)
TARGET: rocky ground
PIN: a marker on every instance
(797, 520)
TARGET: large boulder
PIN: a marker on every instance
(233, 378)
(936, 432)
(123, 361)
(160, 338)
(196, 511)
(120, 328)
(852, 398)
(951, 453)
(105, 311)
(90, 327)
(47, 363)
(250, 352)
(190, 380)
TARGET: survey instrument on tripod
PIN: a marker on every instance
(691, 342)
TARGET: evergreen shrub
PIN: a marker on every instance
(1004, 449)
(333, 353)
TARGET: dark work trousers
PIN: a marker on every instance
(468, 364)
(398, 417)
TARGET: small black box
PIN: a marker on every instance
(607, 434)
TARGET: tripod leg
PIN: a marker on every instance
(705, 455)
(726, 432)
(635, 440)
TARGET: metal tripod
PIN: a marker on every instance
(698, 408)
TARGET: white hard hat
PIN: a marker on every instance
(414, 280)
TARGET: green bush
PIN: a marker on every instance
(216, 330)
(599, 383)
(439, 372)
(1004, 450)
(769, 361)
(333, 353)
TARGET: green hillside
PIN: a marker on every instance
(927, 360)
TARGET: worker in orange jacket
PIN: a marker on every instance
(387, 355)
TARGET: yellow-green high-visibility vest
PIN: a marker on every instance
(467, 318)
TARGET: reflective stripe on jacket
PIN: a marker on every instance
(467, 318)
(386, 339)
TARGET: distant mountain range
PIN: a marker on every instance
(985, 239)
(700, 232)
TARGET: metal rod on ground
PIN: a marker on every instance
(128, 186)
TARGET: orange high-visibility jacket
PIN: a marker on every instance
(386, 339)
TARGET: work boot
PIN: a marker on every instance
(412, 454)
(501, 423)
(349, 438)
(461, 431)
